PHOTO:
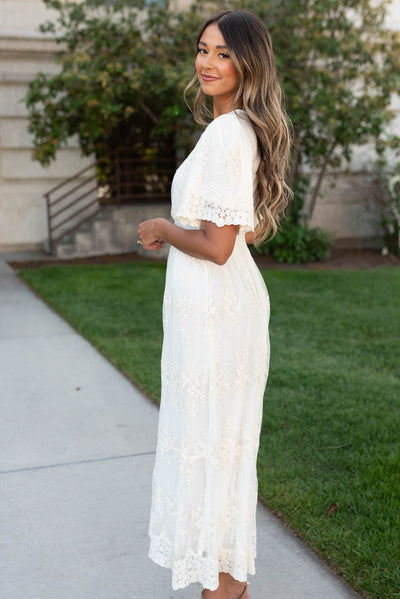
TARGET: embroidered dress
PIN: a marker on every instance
(214, 368)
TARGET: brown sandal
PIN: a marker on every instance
(242, 596)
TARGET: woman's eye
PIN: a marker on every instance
(203, 51)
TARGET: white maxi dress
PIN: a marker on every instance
(214, 369)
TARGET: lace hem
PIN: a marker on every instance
(200, 568)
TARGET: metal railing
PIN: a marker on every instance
(71, 203)
(137, 179)
(119, 179)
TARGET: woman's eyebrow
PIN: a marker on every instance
(204, 44)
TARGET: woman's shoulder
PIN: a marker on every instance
(236, 119)
(230, 128)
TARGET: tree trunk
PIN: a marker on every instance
(295, 159)
(320, 178)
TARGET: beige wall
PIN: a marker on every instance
(352, 209)
(24, 52)
(393, 20)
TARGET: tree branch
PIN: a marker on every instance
(149, 113)
(321, 176)
(294, 162)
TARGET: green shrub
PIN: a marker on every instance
(296, 243)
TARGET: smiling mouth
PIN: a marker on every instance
(208, 78)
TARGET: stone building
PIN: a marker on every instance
(24, 52)
(350, 210)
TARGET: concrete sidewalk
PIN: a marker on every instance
(77, 451)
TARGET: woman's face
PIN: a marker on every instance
(216, 72)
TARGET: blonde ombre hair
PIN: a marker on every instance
(259, 94)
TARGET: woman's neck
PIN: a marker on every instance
(221, 107)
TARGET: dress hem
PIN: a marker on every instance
(199, 568)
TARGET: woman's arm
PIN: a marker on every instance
(249, 237)
(211, 243)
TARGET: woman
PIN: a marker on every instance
(216, 310)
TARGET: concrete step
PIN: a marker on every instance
(111, 231)
(125, 233)
(103, 232)
(105, 214)
(86, 227)
(65, 250)
(85, 242)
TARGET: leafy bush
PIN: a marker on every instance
(296, 243)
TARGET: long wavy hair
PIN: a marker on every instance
(259, 94)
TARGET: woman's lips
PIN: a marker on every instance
(208, 78)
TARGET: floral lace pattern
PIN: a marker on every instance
(215, 183)
(214, 368)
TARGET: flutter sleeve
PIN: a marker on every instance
(219, 180)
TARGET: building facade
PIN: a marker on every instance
(351, 209)
(23, 52)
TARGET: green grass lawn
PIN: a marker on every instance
(331, 428)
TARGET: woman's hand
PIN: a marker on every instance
(209, 243)
(150, 234)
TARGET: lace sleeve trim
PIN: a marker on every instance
(194, 210)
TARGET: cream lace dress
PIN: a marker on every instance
(214, 369)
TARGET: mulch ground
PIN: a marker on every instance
(339, 258)
(344, 259)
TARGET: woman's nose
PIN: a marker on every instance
(208, 62)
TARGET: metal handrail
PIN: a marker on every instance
(67, 193)
(77, 212)
(74, 228)
(66, 181)
(77, 206)
(76, 201)
(62, 203)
